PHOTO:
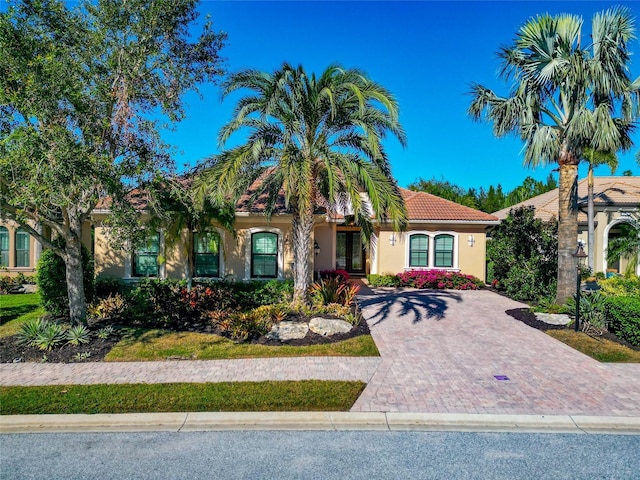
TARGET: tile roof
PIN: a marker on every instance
(427, 207)
(608, 191)
(421, 206)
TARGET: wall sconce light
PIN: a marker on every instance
(471, 240)
(392, 239)
(316, 247)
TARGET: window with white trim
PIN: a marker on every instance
(443, 250)
(206, 254)
(264, 255)
(4, 247)
(145, 258)
(23, 243)
(418, 250)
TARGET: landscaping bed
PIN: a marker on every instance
(605, 347)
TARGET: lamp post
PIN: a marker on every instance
(579, 255)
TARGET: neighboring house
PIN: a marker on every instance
(616, 200)
(441, 235)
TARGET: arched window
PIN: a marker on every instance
(264, 255)
(206, 254)
(145, 258)
(419, 250)
(23, 242)
(443, 251)
(4, 247)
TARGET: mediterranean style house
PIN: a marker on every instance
(616, 201)
(441, 235)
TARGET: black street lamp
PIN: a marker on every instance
(579, 255)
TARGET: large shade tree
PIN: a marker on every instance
(319, 140)
(569, 92)
(84, 92)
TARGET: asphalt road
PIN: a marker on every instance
(318, 455)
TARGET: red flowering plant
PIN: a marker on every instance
(337, 274)
(439, 279)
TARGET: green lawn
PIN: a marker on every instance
(17, 309)
(601, 349)
(141, 345)
(308, 395)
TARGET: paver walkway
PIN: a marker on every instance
(442, 350)
(242, 370)
(440, 353)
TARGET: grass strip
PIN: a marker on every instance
(601, 349)
(307, 395)
(148, 345)
(17, 309)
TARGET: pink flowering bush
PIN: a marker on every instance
(439, 279)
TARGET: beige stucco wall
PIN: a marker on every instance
(395, 258)
(325, 235)
(11, 269)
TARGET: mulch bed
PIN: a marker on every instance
(528, 317)
(97, 349)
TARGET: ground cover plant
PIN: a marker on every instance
(308, 395)
(437, 279)
(164, 319)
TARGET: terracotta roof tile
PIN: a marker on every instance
(427, 207)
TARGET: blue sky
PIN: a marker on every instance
(426, 53)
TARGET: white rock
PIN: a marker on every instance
(329, 326)
(288, 331)
(553, 318)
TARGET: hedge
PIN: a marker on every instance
(623, 314)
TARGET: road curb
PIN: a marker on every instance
(220, 421)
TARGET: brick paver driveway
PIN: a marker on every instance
(442, 350)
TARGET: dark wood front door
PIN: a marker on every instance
(350, 254)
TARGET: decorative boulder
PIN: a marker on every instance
(553, 318)
(288, 331)
(329, 326)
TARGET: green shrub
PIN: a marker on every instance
(523, 255)
(623, 314)
(524, 281)
(384, 280)
(256, 293)
(52, 282)
(42, 334)
(620, 287)
(109, 286)
(77, 335)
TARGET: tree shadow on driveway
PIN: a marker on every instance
(419, 305)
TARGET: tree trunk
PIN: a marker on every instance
(567, 230)
(590, 214)
(302, 227)
(75, 279)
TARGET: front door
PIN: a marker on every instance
(350, 255)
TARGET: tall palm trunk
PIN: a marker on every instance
(567, 229)
(590, 220)
(302, 228)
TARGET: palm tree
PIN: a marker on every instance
(182, 210)
(594, 159)
(318, 140)
(566, 97)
